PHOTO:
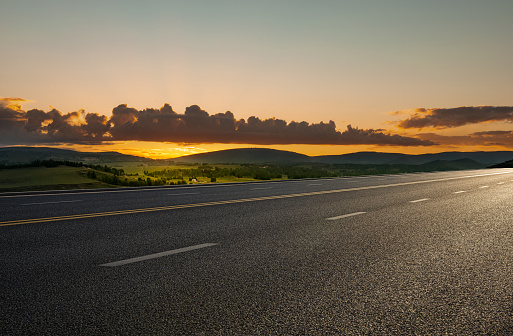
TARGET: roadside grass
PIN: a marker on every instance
(42, 178)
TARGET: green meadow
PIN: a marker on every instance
(65, 177)
(42, 178)
(50, 174)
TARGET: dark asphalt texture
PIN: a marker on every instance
(440, 266)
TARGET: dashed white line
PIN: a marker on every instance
(51, 202)
(459, 192)
(347, 215)
(420, 200)
(500, 183)
(157, 255)
(484, 187)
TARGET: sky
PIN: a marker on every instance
(156, 78)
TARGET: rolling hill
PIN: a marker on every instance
(466, 160)
(246, 155)
(15, 155)
(485, 158)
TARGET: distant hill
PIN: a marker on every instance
(362, 158)
(485, 158)
(506, 164)
(263, 155)
(14, 155)
(246, 155)
(452, 165)
(465, 160)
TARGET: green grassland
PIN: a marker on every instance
(65, 177)
(49, 174)
(42, 178)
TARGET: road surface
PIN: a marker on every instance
(428, 253)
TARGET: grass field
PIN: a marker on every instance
(40, 178)
(64, 177)
(135, 167)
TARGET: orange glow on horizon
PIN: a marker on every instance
(157, 150)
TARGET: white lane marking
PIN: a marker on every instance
(157, 255)
(420, 200)
(315, 184)
(459, 192)
(347, 215)
(180, 194)
(51, 202)
(500, 183)
(484, 187)
(264, 188)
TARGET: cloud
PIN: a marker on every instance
(13, 103)
(441, 118)
(197, 126)
(193, 126)
(37, 126)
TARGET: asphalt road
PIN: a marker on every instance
(420, 254)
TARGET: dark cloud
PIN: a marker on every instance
(197, 126)
(193, 126)
(96, 125)
(440, 118)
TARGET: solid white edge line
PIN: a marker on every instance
(459, 192)
(157, 255)
(347, 215)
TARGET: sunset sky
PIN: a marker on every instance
(315, 77)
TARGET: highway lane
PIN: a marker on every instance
(53, 204)
(278, 266)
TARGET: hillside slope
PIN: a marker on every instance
(15, 155)
(246, 155)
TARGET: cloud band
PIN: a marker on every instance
(193, 126)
